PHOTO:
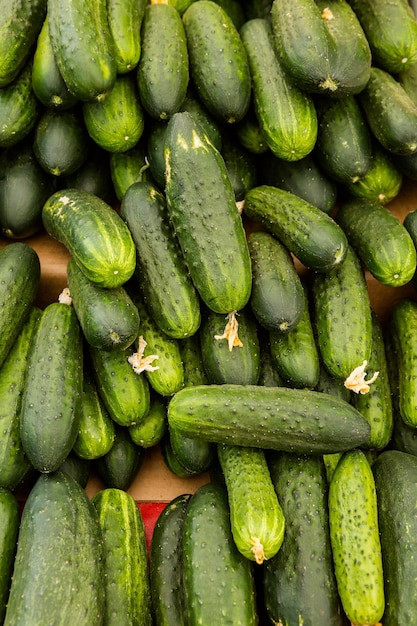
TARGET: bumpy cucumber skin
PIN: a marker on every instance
(126, 559)
(277, 298)
(163, 69)
(280, 418)
(312, 235)
(342, 316)
(209, 553)
(291, 128)
(125, 20)
(299, 585)
(256, 517)
(166, 564)
(9, 530)
(19, 108)
(218, 63)
(201, 204)
(395, 480)
(354, 534)
(168, 291)
(383, 180)
(59, 557)
(107, 255)
(153, 427)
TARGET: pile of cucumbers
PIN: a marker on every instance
(220, 173)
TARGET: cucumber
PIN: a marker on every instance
(20, 272)
(202, 208)
(9, 530)
(395, 479)
(249, 133)
(163, 69)
(268, 376)
(59, 557)
(118, 468)
(19, 108)
(49, 417)
(126, 559)
(256, 517)
(290, 129)
(125, 20)
(322, 46)
(171, 461)
(94, 175)
(14, 464)
(108, 317)
(128, 167)
(83, 47)
(153, 427)
(355, 539)
(165, 563)
(342, 316)
(94, 234)
(155, 151)
(116, 123)
(209, 553)
(168, 291)
(299, 585)
(309, 233)
(278, 418)
(219, 66)
(214, 130)
(77, 467)
(240, 165)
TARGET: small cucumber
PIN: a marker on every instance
(128, 167)
(125, 20)
(153, 426)
(355, 539)
(240, 164)
(9, 531)
(19, 108)
(118, 468)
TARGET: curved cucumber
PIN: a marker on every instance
(125, 21)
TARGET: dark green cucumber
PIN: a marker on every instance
(155, 151)
(391, 113)
(14, 464)
(209, 553)
(171, 461)
(250, 134)
(163, 70)
(322, 46)
(118, 468)
(395, 480)
(77, 467)
(94, 175)
(168, 291)
(214, 130)
(59, 557)
(129, 167)
(240, 164)
(342, 316)
(380, 239)
(116, 123)
(19, 108)
(166, 563)
(125, 557)
(256, 517)
(299, 585)
(290, 129)
(108, 317)
(268, 376)
(9, 530)
(278, 418)
(355, 539)
(49, 416)
(277, 298)
(153, 426)
(218, 63)
(225, 362)
(94, 234)
(309, 233)
(125, 20)
(202, 207)
(83, 47)
(20, 272)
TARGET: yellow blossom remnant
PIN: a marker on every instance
(65, 296)
(230, 332)
(258, 550)
(327, 14)
(142, 363)
(356, 380)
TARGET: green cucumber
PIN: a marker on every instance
(9, 531)
(153, 427)
(355, 539)
(14, 464)
(240, 164)
(342, 316)
(116, 123)
(209, 553)
(214, 130)
(49, 416)
(299, 585)
(83, 47)
(20, 272)
(168, 291)
(256, 517)
(171, 461)
(309, 233)
(77, 467)
(268, 376)
(278, 418)
(219, 67)
(290, 129)
(59, 540)
(380, 239)
(108, 317)
(155, 151)
(125, 20)
(395, 480)
(128, 167)
(202, 208)
(125, 556)
(94, 175)
(163, 70)
(118, 468)
(94, 234)
(249, 133)
(19, 108)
